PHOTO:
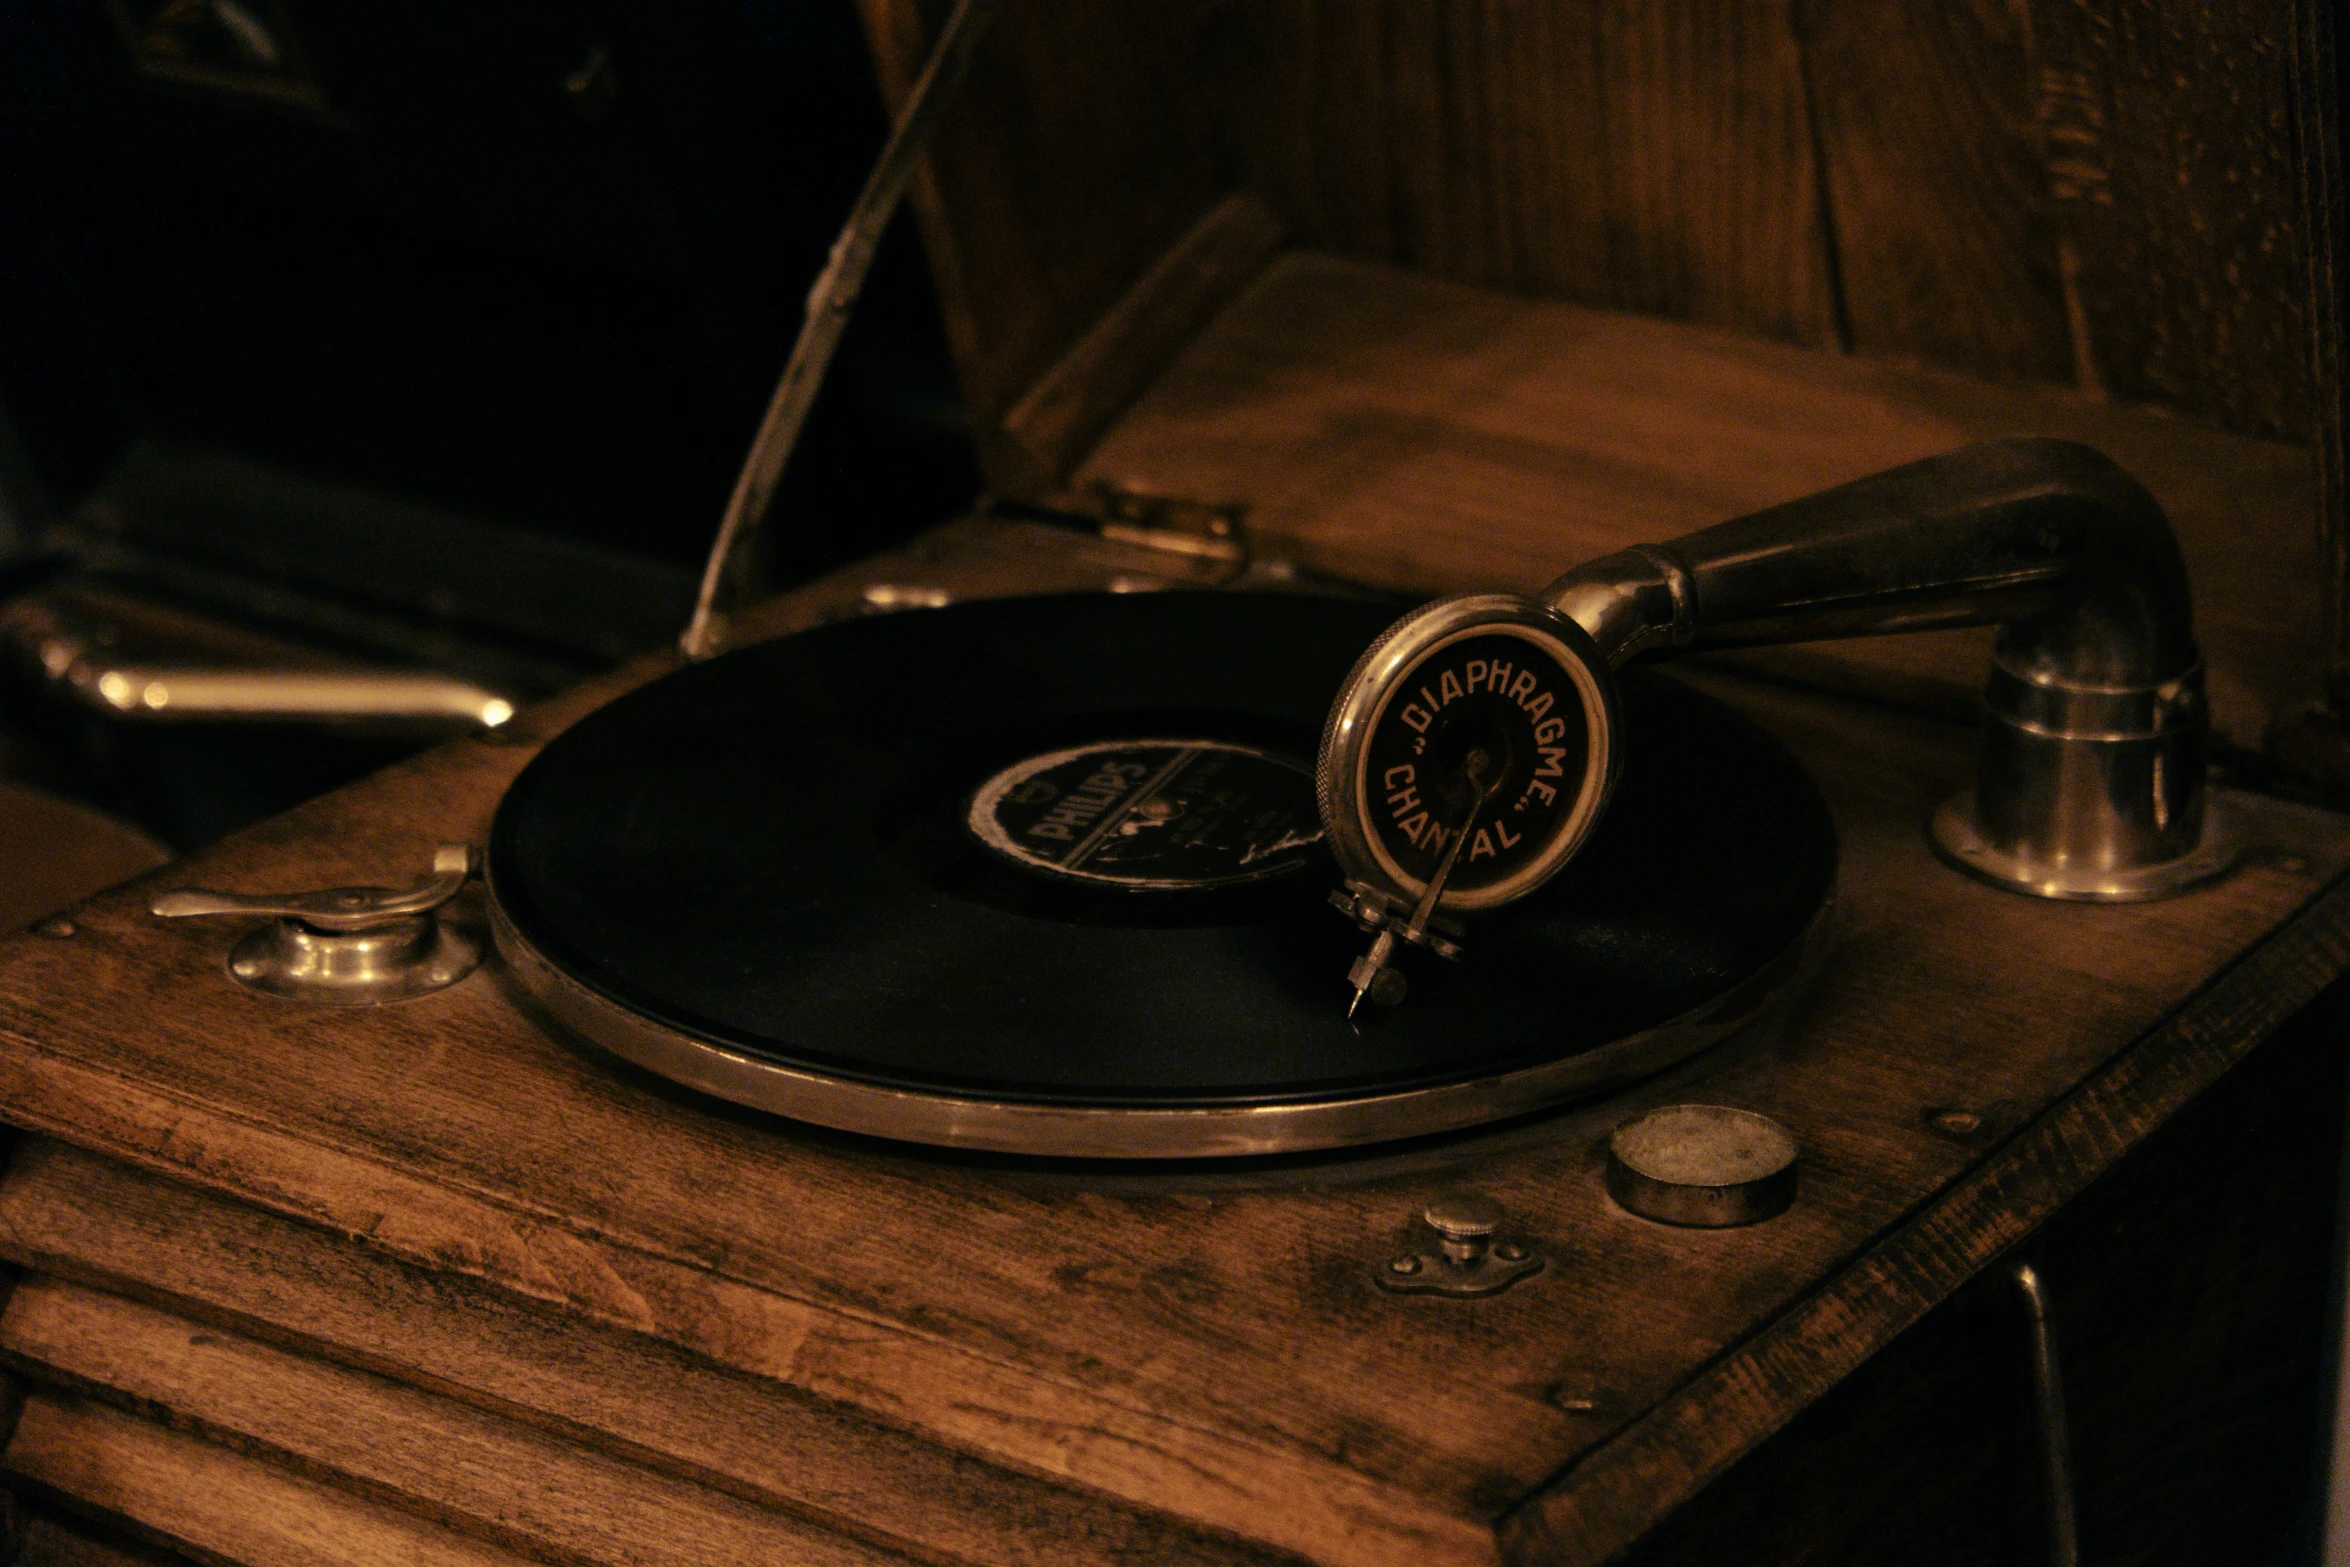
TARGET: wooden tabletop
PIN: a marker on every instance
(957, 1358)
(1426, 436)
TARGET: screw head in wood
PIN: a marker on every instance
(1954, 1123)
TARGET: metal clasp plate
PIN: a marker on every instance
(1466, 1260)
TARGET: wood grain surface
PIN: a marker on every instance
(1203, 1344)
(216, 1505)
(1639, 157)
(1058, 419)
(1938, 192)
(1605, 1505)
(476, 1473)
(2051, 190)
(2035, 193)
(82, 1219)
(1075, 160)
(2191, 1302)
(2170, 155)
(1422, 436)
(2325, 218)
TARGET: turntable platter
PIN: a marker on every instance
(1044, 875)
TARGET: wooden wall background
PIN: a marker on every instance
(2095, 192)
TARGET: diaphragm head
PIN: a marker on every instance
(1488, 673)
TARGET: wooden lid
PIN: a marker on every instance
(1167, 238)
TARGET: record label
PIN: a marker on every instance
(1151, 814)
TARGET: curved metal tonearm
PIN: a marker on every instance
(2090, 780)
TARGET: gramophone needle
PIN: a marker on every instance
(1372, 967)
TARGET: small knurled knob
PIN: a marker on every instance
(1464, 1222)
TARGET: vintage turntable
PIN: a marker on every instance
(369, 1238)
(434, 1280)
(1048, 876)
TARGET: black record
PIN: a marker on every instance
(1044, 874)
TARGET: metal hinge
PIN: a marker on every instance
(1176, 524)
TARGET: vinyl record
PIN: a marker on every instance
(1045, 875)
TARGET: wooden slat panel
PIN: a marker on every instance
(2317, 60)
(2047, 190)
(1077, 157)
(1644, 157)
(1633, 156)
(1929, 131)
(214, 1504)
(472, 1472)
(974, 1382)
(66, 1213)
(2170, 135)
(1417, 435)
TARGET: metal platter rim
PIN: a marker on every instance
(983, 1125)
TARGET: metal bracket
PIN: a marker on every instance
(1388, 921)
(1375, 911)
(729, 575)
(2056, 1452)
(345, 946)
(1173, 524)
(1467, 1261)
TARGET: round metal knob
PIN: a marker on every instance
(1464, 1223)
(1705, 1165)
(1464, 1216)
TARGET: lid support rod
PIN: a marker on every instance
(728, 577)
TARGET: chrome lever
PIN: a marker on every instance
(345, 946)
(334, 908)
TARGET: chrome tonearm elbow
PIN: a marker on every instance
(2090, 779)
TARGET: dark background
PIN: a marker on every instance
(518, 267)
(461, 280)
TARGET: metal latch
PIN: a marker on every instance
(1176, 524)
(345, 946)
(1467, 1260)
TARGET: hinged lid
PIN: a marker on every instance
(1332, 270)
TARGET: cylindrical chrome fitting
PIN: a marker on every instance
(2088, 792)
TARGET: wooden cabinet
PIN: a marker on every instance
(1423, 295)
